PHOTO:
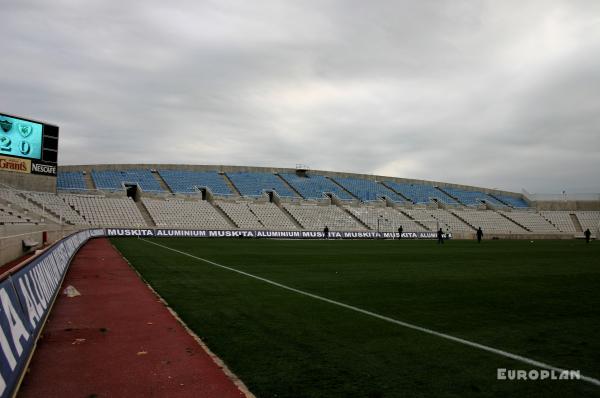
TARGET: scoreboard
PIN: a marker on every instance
(28, 146)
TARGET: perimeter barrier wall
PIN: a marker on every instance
(236, 233)
(27, 294)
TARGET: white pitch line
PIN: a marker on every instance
(483, 347)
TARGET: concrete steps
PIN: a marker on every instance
(396, 192)
(231, 185)
(463, 220)
(89, 182)
(161, 182)
(499, 200)
(414, 220)
(222, 212)
(290, 186)
(290, 216)
(145, 214)
(576, 223)
(358, 220)
(514, 222)
(343, 188)
(458, 218)
(447, 194)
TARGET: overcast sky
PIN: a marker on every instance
(501, 94)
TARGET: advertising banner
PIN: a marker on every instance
(25, 301)
(236, 233)
(15, 164)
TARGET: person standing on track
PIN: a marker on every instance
(587, 235)
(440, 236)
(400, 229)
(479, 235)
(326, 232)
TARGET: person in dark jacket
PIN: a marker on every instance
(326, 232)
(479, 235)
(440, 236)
(587, 235)
(400, 232)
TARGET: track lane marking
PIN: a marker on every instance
(469, 343)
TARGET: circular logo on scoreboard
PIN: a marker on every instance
(5, 125)
(24, 129)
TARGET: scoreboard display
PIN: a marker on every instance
(28, 146)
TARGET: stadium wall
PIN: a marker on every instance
(28, 182)
(565, 201)
(567, 205)
(13, 235)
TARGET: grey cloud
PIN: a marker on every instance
(497, 94)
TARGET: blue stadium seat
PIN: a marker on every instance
(112, 180)
(512, 201)
(315, 186)
(421, 193)
(368, 190)
(185, 181)
(70, 180)
(473, 198)
(255, 184)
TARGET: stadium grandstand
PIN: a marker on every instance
(251, 198)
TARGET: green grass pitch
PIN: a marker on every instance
(540, 300)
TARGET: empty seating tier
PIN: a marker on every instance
(368, 190)
(11, 216)
(421, 193)
(473, 198)
(70, 181)
(561, 220)
(315, 186)
(517, 203)
(315, 217)
(446, 220)
(34, 212)
(532, 221)
(589, 220)
(489, 221)
(58, 206)
(256, 184)
(272, 217)
(107, 212)
(250, 215)
(195, 214)
(111, 180)
(240, 214)
(387, 219)
(185, 181)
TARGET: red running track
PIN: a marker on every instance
(118, 340)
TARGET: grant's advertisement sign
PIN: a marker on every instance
(15, 164)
